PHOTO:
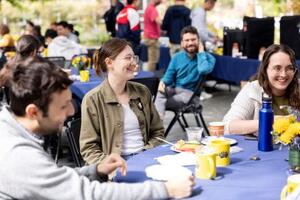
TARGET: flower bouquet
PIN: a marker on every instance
(82, 63)
(286, 131)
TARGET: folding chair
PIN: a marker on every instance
(73, 132)
(189, 107)
(151, 83)
(59, 60)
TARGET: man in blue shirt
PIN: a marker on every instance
(184, 71)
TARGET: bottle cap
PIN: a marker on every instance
(266, 97)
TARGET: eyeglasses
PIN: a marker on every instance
(288, 70)
(132, 58)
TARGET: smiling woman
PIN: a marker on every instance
(277, 76)
(118, 115)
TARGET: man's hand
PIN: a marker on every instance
(180, 188)
(161, 87)
(201, 47)
(111, 163)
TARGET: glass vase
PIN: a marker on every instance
(294, 160)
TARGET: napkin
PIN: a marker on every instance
(167, 172)
(180, 159)
(235, 149)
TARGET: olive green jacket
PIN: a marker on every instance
(102, 120)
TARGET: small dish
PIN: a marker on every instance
(207, 139)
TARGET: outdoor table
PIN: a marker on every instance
(242, 179)
(79, 89)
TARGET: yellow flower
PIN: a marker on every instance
(280, 125)
(290, 133)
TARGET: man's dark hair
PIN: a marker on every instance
(188, 29)
(63, 24)
(210, 1)
(33, 81)
(129, 2)
(50, 33)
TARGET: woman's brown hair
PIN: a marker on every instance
(292, 91)
(110, 49)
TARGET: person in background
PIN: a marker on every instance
(278, 77)
(28, 29)
(118, 116)
(198, 16)
(110, 16)
(7, 42)
(176, 18)
(186, 68)
(73, 33)
(50, 34)
(40, 103)
(152, 23)
(63, 29)
(53, 25)
(128, 25)
(27, 46)
(62, 46)
(37, 33)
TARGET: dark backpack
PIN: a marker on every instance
(110, 18)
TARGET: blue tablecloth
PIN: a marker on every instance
(242, 179)
(79, 89)
(228, 69)
(233, 70)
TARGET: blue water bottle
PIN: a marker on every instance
(266, 117)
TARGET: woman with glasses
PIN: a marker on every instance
(119, 115)
(278, 77)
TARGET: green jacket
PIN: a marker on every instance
(102, 120)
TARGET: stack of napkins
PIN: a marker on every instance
(181, 159)
(167, 172)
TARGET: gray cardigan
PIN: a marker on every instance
(28, 172)
(246, 104)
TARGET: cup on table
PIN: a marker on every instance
(205, 163)
(194, 133)
(84, 75)
(222, 149)
(216, 128)
(293, 182)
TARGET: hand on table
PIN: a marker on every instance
(111, 163)
(161, 87)
(180, 188)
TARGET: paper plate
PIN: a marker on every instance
(166, 172)
(179, 151)
(207, 140)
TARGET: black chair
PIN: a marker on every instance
(73, 132)
(190, 107)
(151, 83)
(59, 60)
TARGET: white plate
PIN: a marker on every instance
(176, 150)
(207, 140)
(166, 172)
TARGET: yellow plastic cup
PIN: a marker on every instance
(205, 163)
(293, 182)
(222, 149)
(84, 75)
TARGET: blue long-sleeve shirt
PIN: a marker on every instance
(184, 72)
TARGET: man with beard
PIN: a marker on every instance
(40, 103)
(184, 71)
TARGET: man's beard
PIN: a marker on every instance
(192, 51)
